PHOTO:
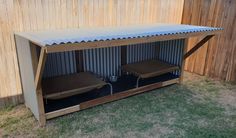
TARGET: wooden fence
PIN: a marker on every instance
(217, 58)
(31, 15)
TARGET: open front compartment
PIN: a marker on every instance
(61, 75)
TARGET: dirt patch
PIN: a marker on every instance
(227, 98)
(159, 130)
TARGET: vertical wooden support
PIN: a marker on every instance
(183, 60)
(79, 61)
(157, 51)
(42, 117)
(123, 55)
(38, 78)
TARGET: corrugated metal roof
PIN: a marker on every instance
(91, 34)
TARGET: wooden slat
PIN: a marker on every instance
(61, 112)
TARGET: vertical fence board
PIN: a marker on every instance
(217, 58)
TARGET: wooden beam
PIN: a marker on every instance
(124, 55)
(40, 68)
(122, 42)
(79, 61)
(197, 46)
(183, 60)
(62, 112)
(42, 118)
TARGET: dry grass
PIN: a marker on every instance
(199, 108)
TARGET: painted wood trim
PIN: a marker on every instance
(122, 42)
(197, 46)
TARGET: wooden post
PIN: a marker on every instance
(183, 60)
(40, 67)
(38, 78)
(123, 55)
(79, 61)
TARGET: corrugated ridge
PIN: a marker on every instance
(128, 36)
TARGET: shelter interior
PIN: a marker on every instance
(74, 77)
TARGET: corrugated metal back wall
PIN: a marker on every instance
(105, 62)
(58, 64)
(141, 52)
(172, 52)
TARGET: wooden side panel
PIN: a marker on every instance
(27, 74)
(31, 15)
(217, 57)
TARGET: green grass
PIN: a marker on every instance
(198, 108)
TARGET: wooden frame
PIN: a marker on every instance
(148, 69)
(38, 78)
(38, 66)
(73, 84)
(109, 98)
